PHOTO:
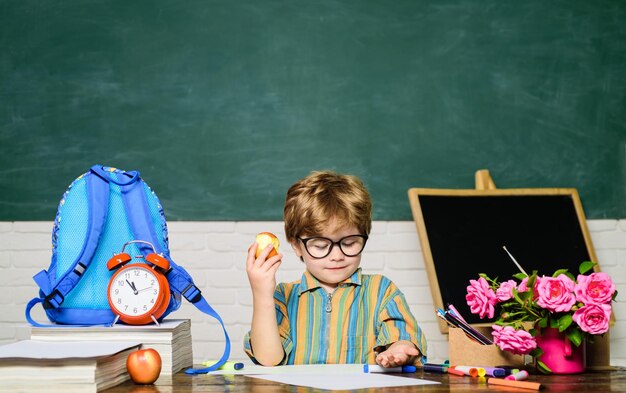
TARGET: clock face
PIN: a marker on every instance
(135, 291)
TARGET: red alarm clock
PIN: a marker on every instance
(138, 293)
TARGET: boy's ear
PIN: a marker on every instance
(296, 249)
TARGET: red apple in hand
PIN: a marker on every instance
(265, 239)
(144, 366)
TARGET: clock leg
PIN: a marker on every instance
(117, 317)
(154, 319)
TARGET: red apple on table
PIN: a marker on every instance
(265, 239)
(144, 366)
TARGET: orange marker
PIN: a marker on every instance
(452, 370)
(468, 370)
(514, 384)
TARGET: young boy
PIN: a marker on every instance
(334, 313)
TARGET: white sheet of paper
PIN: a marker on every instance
(344, 381)
(251, 369)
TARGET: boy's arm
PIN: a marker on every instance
(264, 334)
(401, 340)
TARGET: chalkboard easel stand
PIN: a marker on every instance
(483, 180)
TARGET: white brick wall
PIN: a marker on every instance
(214, 253)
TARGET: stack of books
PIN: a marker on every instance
(171, 338)
(88, 366)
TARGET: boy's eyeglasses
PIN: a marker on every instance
(320, 247)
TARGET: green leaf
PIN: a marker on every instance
(575, 336)
(541, 366)
(554, 323)
(536, 352)
(543, 322)
(586, 266)
(531, 281)
(559, 272)
(520, 276)
(564, 322)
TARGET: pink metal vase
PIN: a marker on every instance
(559, 354)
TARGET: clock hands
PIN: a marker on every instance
(145, 289)
(134, 288)
(132, 285)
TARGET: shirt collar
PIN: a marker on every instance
(308, 282)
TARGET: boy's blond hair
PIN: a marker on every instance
(323, 196)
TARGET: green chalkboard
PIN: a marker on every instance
(221, 105)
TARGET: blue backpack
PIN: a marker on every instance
(102, 212)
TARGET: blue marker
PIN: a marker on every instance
(375, 368)
(226, 366)
(495, 371)
(435, 368)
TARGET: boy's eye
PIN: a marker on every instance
(320, 244)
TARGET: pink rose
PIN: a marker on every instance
(556, 293)
(593, 318)
(519, 342)
(505, 291)
(481, 298)
(596, 288)
(523, 286)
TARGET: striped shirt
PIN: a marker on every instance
(363, 314)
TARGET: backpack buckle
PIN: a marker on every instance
(194, 295)
(53, 300)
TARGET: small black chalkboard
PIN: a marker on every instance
(463, 232)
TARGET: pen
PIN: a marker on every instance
(225, 366)
(375, 368)
(468, 370)
(518, 376)
(452, 370)
(435, 368)
(508, 370)
(495, 371)
(456, 313)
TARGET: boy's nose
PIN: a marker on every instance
(336, 254)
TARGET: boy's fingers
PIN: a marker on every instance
(275, 265)
(251, 252)
(261, 259)
(263, 255)
(382, 360)
(271, 262)
(413, 351)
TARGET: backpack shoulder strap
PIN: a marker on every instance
(138, 213)
(204, 306)
(98, 202)
(183, 283)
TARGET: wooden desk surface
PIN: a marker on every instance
(597, 382)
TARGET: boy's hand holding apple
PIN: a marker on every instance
(262, 263)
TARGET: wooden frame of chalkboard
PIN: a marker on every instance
(463, 232)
